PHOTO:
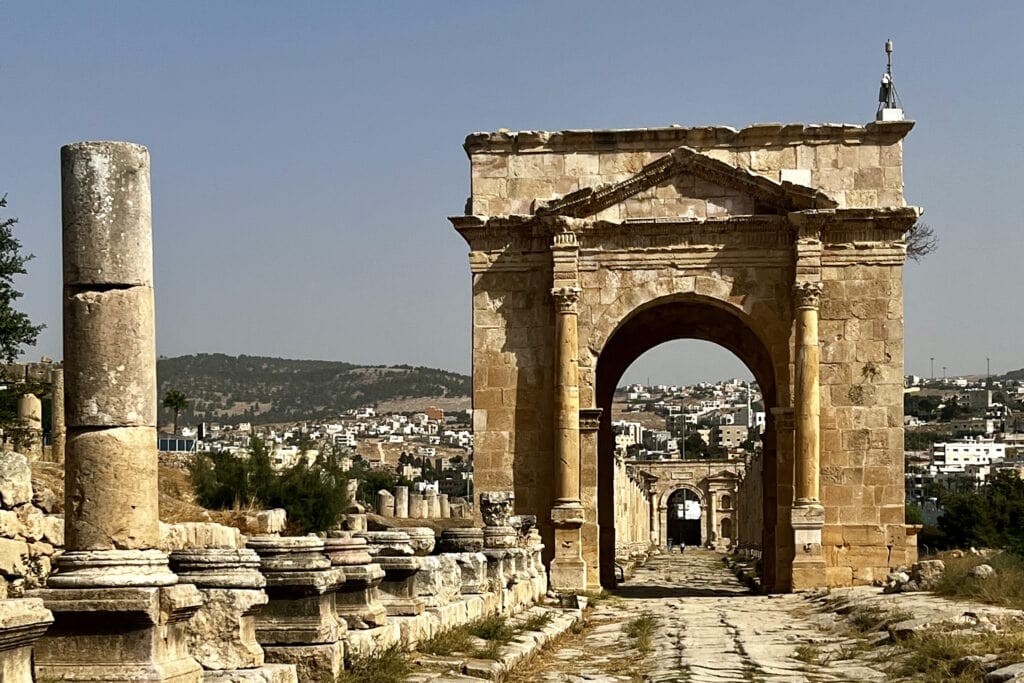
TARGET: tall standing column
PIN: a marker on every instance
(111, 573)
(712, 519)
(568, 568)
(808, 515)
(807, 402)
(567, 398)
(59, 425)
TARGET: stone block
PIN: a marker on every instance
(10, 525)
(113, 461)
(105, 197)
(13, 556)
(318, 662)
(21, 623)
(30, 520)
(104, 386)
(268, 673)
(82, 646)
(15, 480)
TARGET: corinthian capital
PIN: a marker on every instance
(566, 298)
(807, 294)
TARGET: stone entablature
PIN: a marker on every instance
(856, 166)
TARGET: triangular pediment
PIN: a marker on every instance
(763, 195)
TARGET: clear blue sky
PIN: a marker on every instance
(306, 155)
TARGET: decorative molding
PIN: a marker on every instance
(590, 419)
(566, 298)
(564, 240)
(769, 196)
(807, 294)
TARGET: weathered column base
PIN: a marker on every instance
(149, 644)
(21, 623)
(358, 602)
(299, 626)
(568, 571)
(808, 561)
(398, 589)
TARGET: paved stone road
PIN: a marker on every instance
(709, 627)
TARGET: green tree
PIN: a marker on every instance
(16, 330)
(176, 401)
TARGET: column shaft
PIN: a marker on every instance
(109, 348)
(567, 400)
(807, 400)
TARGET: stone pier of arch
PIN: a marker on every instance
(784, 244)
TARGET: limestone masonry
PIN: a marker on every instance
(782, 243)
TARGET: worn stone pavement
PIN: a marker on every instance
(709, 628)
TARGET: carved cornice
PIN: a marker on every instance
(807, 294)
(720, 137)
(566, 298)
(564, 241)
(590, 419)
(770, 196)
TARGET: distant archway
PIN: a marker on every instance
(684, 518)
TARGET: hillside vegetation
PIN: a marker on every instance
(230, 389)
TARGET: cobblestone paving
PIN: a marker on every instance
(709, 627)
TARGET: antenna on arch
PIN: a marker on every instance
(889, 106)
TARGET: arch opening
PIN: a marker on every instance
(667, 320)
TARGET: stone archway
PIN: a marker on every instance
(619, 343)
(784, 244)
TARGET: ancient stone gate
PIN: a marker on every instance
(782, 243)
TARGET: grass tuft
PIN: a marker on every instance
(535, 622)
(447, 642)
(390, 666)
(1006, 588)
(494, 628)
(641, 629)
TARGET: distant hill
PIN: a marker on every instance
(1014, 374)
(229, 389)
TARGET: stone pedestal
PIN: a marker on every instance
(21, 623)
(222, 635)
(299, 625)
(438, 580)
(568, 568)
(358, 600)
(393, 551)
(398, 590)
(461, 540)
(473, 572)
(401, 502)
(808, 560)
(118, 634)
(500, 572)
